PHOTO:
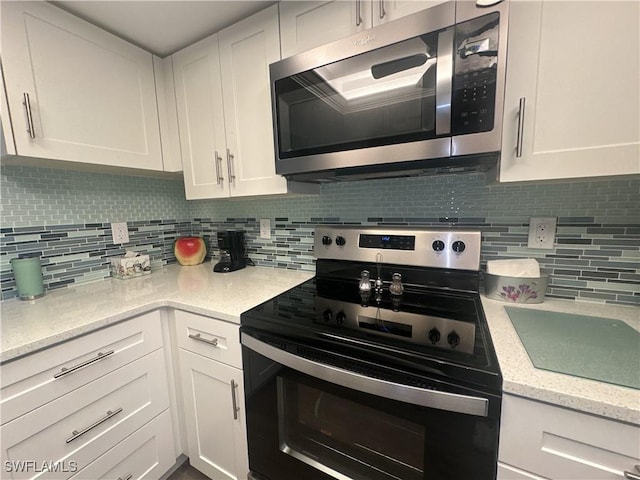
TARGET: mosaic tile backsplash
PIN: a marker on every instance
(65, 216)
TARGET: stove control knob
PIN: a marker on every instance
(458, 246)
(340, 241)
(438, 245)
(340, 317)
(327, 315)
(453, 339)
(326, 240)
(434, 335)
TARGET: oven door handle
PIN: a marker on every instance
(451, 402)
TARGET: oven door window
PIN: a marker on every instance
(345, 439)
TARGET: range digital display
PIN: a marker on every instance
(392, 242)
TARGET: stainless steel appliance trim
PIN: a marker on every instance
(27, 106)
(213, 342)
(490, 141)
(444, 81)
(450, 402)
(423, 256)
(520, 126)
(99, 356)
(76, 434)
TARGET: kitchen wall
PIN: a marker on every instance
(65, 217)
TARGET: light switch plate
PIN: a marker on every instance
(120, 232)
(542, 232)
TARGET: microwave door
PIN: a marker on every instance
(367, 105)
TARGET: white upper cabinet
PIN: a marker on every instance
(201, 119)
(388, 10)
(76, 92)
(576, 67)
(224, 111)
(246, 50)
(306, 25)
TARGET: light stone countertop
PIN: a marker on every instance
(28, 326)
(521, 378)
(62, 314)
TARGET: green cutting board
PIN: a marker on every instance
(597, 348)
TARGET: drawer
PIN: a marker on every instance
(215, 339)
(559, 443)
(85, 423)
(147, 453)
(41, 377)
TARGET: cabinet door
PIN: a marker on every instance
(91, 96)
(562, 444)
(215, 417)
(246, 50)
(387, 10)
(577, 66)
(306, 25)
(201, 119)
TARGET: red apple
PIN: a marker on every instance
(190, 250)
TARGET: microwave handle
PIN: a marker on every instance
(451, 402)
(444, 82)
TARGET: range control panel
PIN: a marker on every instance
(424, 247)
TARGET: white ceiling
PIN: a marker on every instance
(163, 26)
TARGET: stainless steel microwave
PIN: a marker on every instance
(420, 93)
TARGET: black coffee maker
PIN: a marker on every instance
(232, 253)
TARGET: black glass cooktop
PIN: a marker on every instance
(439, 331)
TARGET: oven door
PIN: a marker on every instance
(308, 420)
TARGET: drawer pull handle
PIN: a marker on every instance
(218, 161)
(128, 477)
(27, 106)
(65, 370)
(520, 131)
(77, 434)
(213, 342)
(633, 475)
(234, 402)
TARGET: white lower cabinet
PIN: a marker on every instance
(209, 361)
(83, 424)
(542, 441)
(147, 453)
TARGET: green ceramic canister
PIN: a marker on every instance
(28, 275)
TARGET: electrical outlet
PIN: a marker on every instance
(120, 232)
(542, 232)
(265, 228)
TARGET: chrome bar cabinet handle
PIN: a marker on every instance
(100, 356)
(77, 434)
(234, 402)
(230, 166)
(128, 477)
(382, 11)
(218, 160)
(520, 127)
(633, 475)
(27, 106)
(213, 342)
(358, 13)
